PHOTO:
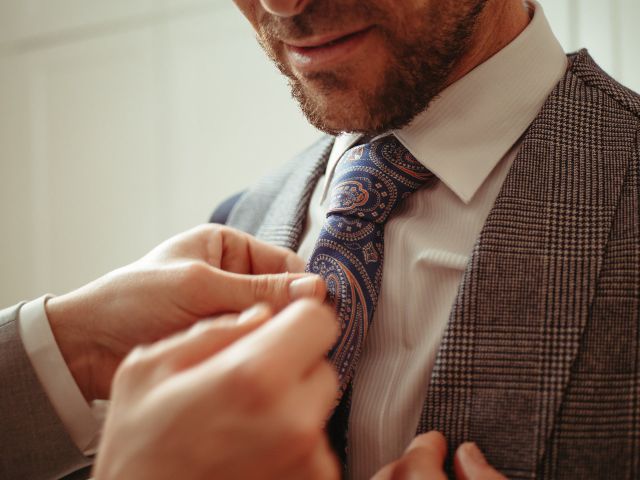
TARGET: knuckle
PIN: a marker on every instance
(205, 228)
(218, 227)
(268, 287)
(194, 274)
(251, 387)
(136, 363)
(291, 262)
(137, 357)
(259, 287)
(222, 231)
(211, 227)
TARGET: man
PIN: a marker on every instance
(59, 354)
(506, 309)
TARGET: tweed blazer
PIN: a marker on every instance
(540, 360)
(34, 443)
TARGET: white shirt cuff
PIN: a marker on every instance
(82, 421)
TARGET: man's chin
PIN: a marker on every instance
(335, 121)
(334, 111)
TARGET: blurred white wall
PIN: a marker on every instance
(125, 121)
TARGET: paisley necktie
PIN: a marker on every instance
(370, 182)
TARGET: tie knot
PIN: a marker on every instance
(371, 180)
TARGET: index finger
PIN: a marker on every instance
(239, 252)
(290, 345)
(230, 250)
(267, 258)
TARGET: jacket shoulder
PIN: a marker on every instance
(584, 67)
(249, 209)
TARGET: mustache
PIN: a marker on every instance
(320, 16)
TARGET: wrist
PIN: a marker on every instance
(67, 323)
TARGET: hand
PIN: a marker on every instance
(208, 270)
(199, 406)
(424, 460)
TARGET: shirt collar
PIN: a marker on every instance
(473, 123)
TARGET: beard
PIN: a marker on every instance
(416, 60)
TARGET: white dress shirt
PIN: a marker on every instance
(468, 137)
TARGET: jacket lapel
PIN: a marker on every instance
(284, 222)
(515, 328)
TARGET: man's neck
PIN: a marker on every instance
(500, 23)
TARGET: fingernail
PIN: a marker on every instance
(303, 287)
(474, 454)
(295, 264)
(257, 311)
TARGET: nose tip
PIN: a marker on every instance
(284, 8)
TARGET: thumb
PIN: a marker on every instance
(239, 292)
(423, 459)
(470, 464)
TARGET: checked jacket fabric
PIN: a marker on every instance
(370, 182)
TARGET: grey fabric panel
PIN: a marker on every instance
(517, 326)
(33, 441)
(597, 431)
(274, 210)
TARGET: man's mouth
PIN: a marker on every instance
(326, 50)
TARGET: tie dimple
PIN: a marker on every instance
(370, 182)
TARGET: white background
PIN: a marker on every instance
(125, 121)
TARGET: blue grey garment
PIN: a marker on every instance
(34, 442)
(540, 361)
(275, 208)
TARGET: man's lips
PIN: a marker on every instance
(323, 51)
(323, 40)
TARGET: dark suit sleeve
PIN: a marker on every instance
(222, 211)
(33, 441)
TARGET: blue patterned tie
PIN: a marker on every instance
(370, 181)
